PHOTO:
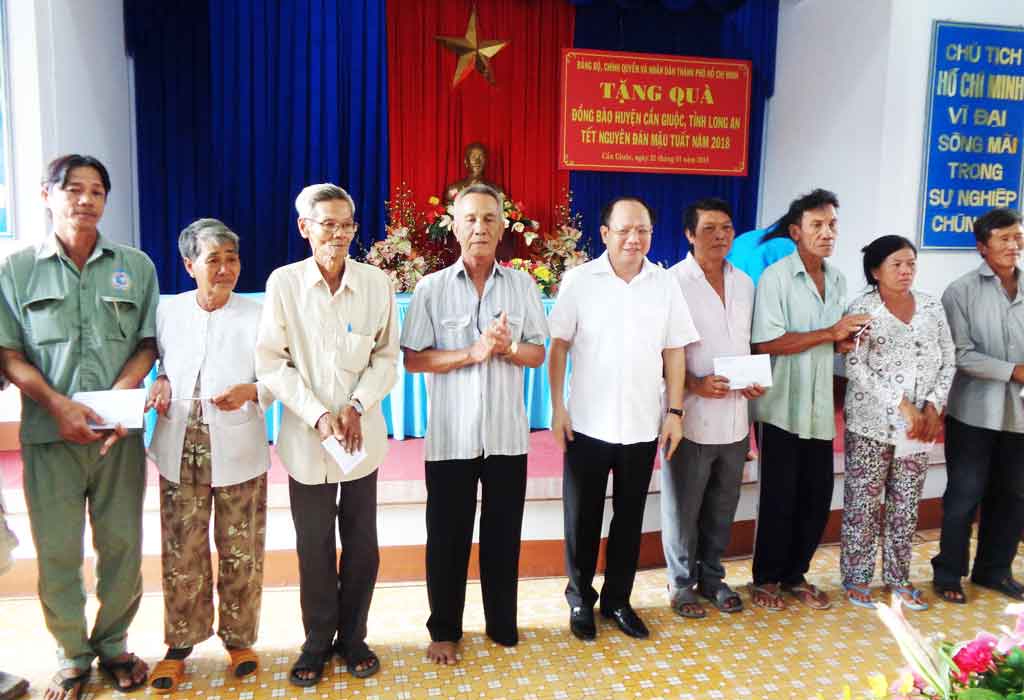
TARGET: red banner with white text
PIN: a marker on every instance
(642, 112)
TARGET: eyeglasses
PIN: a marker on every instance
(641, 231)
(333, 226)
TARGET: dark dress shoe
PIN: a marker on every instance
(581, 622)
(628, 621)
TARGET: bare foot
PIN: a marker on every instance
(129, 670)
(445, 653)
(67, 684)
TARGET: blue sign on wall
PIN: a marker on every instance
(974, 130)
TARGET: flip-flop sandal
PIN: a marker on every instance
(852, 588)
(721, 596)
(172, 670)
(810, 595)
(110, 668)
(369, 658)
(944, 591)
(68, 684)
(910, 597)
(244, 662)
(683, 602)
(309, 661)
(758, 594)
(1006, 586)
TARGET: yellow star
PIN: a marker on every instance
(472, 52)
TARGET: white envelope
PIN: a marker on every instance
(906, 446)
(744, 370)
(346, 460)
(124, 406)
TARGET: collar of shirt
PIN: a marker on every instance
(229, 306)
(692, 269)
(797, 268)
(49, 247)
(984, 270)
(311, 275)
(603, 266)
(460, 269)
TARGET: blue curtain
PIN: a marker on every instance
(712, 28)
(240, 104)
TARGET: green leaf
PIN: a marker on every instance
(1015, 659)
(978, 694)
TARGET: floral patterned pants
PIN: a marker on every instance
(239, 531)
(870, 466)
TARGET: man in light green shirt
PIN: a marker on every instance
(78, 313)
(798, 320)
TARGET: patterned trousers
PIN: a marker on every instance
(239, 531)
(870, 466)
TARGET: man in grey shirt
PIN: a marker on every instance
(474, 326)
(985, 415)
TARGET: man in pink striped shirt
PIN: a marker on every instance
(701, 482)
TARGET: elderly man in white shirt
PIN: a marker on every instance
(210, 445)
(700, 485)
(625, 322)
(328, 349)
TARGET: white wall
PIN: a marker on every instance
(848, 114)
(70, 93)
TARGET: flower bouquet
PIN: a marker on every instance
(540, 272)
(557, 251)
(989, 667)
(516, 221)
(438, 218)
(398, 255)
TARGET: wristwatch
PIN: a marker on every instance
(676, 412)
(513, 348)
(356, 404)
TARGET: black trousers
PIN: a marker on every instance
(796, 476)
(983, 467)
(335, 595)
(587, 464)
(451, 510)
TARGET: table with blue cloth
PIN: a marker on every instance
(405, 408)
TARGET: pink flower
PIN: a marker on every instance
(975, 657)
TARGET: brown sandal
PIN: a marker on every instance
(810, 595)
(767, 598)
(244, 662)
(172, 670)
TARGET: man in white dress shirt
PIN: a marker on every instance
(700, 485)
(328, 349)
(625, 322)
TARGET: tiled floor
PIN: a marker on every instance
(755, 654)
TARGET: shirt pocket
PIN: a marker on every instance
(355, 352)
(120, 318)
(45, 321)
(455, 331)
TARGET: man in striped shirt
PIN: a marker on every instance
(474, 326)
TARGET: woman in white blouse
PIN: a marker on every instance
(210, 446)
(899, 372)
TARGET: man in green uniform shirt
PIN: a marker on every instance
(78, 313)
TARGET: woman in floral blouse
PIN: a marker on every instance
(899, 371)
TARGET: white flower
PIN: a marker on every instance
(518, 227)
(445, 221)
